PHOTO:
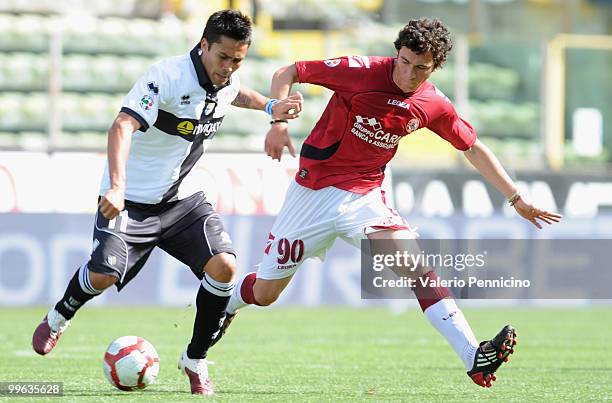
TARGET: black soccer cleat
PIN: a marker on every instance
(491, 355)
(226, 322)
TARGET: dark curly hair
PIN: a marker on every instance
(230, 23)
(426, 34)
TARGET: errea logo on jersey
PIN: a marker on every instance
(153, 87)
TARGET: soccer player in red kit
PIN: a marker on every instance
(337, 189)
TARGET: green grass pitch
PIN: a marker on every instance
(327, 354)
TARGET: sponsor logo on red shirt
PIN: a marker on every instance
(371, 131)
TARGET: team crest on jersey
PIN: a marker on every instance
(209, 107)
(185, 127)
(332, 62)
(146, 102)
(412, 125)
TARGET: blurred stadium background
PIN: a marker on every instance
(534, 77)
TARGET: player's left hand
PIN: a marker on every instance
(532, 214)
(276, 140)
(288, 108)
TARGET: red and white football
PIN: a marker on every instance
(131, 363)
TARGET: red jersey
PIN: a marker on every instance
(368, 114)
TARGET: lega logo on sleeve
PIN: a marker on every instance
(146, 102)
(332, 62)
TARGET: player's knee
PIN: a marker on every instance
(101, 281)
(222, 267)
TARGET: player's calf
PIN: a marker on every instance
(229, 317)
(491, 355)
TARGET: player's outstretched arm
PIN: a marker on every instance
(285, 108)
(119, 141)
(491, 169)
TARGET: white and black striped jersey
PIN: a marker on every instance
(179, 111)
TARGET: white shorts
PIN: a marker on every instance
(310, 220)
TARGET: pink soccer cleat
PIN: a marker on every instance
(48, 332)
(197, 372)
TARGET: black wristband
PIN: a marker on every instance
(278, 121)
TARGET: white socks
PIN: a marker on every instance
(448, 319)
(217, 288)
(236, 302)
(85, 283)
(56, 321)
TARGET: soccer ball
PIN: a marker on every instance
(131, 363)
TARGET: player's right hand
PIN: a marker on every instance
(277, 139)
(112, 203)
(529, 212)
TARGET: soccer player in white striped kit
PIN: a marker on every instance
(167, 120)
(337, 189)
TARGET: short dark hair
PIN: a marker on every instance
(230, 23)
(426, 35)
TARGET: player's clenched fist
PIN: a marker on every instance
(288, 108)
(112, 203)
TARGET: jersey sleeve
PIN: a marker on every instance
(451, 127)
(143, 100)
(343, 74)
